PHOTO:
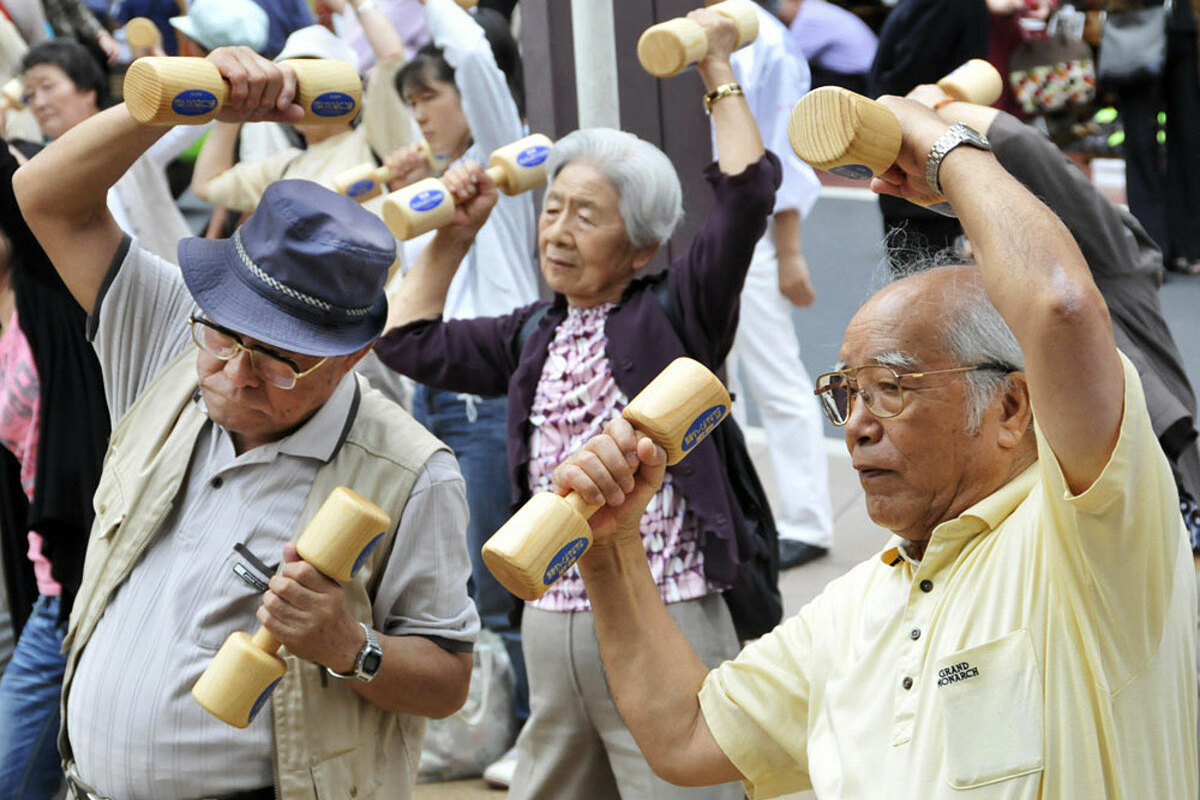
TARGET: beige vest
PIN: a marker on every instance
(329, 743)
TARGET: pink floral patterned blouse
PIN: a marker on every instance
(576, 397)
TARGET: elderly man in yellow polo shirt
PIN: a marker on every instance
(1029, 631)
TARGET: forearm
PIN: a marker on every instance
(422, 293)
(739, 142)
(216, 156)
(653, 672)
(418, 677)
(787, 233)
(380, 32)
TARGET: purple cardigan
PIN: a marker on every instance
(481, 355)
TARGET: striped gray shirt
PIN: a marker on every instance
(135, 730)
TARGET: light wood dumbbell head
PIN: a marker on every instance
(676, 410)
(240, 679)
(12, 95)
(342, 534)
(367, 180)
(668, 48)
(976, 81)
(845, 133)
(168, 90)
(142, 35)
(337, 541)
(520, 166)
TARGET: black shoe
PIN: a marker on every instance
(795, 553)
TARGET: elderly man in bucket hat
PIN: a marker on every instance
(236, 413)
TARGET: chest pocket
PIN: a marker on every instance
(234, 589)
(992, 706)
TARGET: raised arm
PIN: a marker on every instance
(63, 190)
(739, 143)
(1037, 278)
(652, 670)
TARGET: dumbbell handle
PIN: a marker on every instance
(171, 90)
(676, 410)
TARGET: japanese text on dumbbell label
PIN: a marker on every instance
(533, 156)
(360, 187)
(333, 104)
(423, 201)
(702, 427)
(856, 172)
(194, 102)
(563, 559)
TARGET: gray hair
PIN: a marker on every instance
(973, 333)
(650, 196)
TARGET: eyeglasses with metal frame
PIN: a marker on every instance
(881, 388)
(277, 369)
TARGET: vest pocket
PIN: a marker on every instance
(992, 707)
(342, 777)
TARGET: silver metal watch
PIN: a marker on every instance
(368, 661)
(956, 134)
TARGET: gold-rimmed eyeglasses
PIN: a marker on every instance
(881, 388)
(273, 367)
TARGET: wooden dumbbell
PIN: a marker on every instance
(548, 534)
(246, 669)
(367, 180)
(167, 90)
(668, 48)
(12, 95)
(142, 36)
(427, 204)
(855, 137)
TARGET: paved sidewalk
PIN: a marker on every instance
(855, 538)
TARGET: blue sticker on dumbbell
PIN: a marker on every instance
(944, 208)
(362, 557)
(360, 187)
(703, 426)
(424, 201)
(857, 172)
(533, 156)
(333, 104)
(194, 102)
(563, 559)
(262, 699)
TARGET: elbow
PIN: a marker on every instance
(200, 188)
(25, 184)
(1073, 302)
(451, 694)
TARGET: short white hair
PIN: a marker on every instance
(649, 194)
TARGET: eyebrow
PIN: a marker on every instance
(888, 358)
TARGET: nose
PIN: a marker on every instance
(240, 370)
(862, 426)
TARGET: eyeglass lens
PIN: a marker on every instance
(878, 386)
(225, 347)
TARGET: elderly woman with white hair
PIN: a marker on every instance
(571, 365)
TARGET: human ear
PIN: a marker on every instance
(1016, 414)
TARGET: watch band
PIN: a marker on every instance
(367, 662)
(724, 90)
(956, 134)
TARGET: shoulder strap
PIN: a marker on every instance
(530, 325)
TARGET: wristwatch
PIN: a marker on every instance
(956, 134)
(368, 661)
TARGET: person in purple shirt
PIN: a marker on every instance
(570, 366)
(838, 45)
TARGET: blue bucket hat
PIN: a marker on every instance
(305, 273)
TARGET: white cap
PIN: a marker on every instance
(317, 41)
(223, 23)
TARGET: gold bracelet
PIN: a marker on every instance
(945, 101)
(724, 90)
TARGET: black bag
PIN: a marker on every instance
(1133, 45)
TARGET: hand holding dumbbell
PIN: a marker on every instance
(244, 671)
(367, 180)
(676, 410)
(668, 48)
(176, 90)
(852, 136)
(12, 95)
(428, 204)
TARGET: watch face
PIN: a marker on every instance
(371, 663)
